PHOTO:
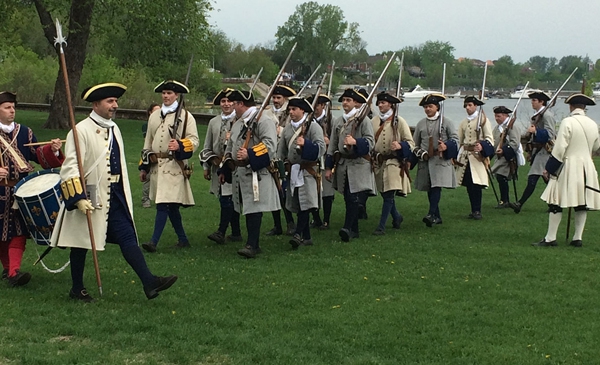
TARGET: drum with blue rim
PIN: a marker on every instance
(39, 199)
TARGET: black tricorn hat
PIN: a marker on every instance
(239, 95)
(172, 85)
(363, 92)
(473, 99)
(383, 96)
(300, 103)
(539, 94)
(353, 94)
(103, 91)
(8, 97)
(222, 94)
(322, 99)
(501, 109)
(283, 90)
(579, 99)
(433, 98)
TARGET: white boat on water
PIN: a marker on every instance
(525, 92)
(596, 92)
(418, 92)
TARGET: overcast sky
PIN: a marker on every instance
(483, 29)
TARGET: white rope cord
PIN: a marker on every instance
(49, 269)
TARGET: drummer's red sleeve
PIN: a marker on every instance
(47, 158)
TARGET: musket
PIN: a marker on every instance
(257, 115)
(398, 89)
(511, 122)
(328, 105)
(363, 111)
(480, 116)
(307, 82)
(60, 40)
(177, 120)
(552, 100)
(256, 80)
(309, 117)
(441, 123)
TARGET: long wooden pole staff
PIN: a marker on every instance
(59, 40)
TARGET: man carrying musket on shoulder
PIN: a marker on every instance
(509, 153)
(301, 146)
(476, 147)
(14, 166)
(254, 188)
(353, 140)
(109, 196)
(393, 147)
(171, 140)
(325, 120)
(218, 135)
(435, 169)
(573, 179)
(279, 113)
(539, 139)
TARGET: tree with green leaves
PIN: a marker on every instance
(321, 33)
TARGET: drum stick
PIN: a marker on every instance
(41, 143)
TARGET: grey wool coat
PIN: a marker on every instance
(513, 139)
(547, 122)
(307, 196)
(437, 171)
(216, 134)
(357, 170)
(268, 201)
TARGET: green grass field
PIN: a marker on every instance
(465, 292)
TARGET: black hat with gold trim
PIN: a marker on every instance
(300, 103)
(240, 95)
(363, 92)
(222, 94)
(539, 94)
(172, 85)
(283, 90)
(473, 99)
(322, 99)
(433, 98)
(8, 97)
(501, 109)
(579, 99)
(353, 94)
(383, 96)
(103, 91)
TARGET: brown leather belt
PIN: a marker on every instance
(354, 157)
(469, 147)
(241, 163)
(388, 157)
(9, 183)
(162, 154)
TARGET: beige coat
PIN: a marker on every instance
(167, 183)
(467, 134)
(576, 140)
(390, 176)
(71, 229)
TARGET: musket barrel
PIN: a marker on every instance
(309, 80)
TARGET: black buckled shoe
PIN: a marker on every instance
(308, 242)
(248, 252)
(315, 224)
(428, 220)
(544, 243)
(516, 207)
(397, 222)
(274, 232)
(296, 241)
(346, 235)
(476, 215)
(324, 226)
(576, 243)
(180, 244)
(4, 274)
(218, 237)
(161, 283)
(82, 295)
(149, 246)
(20, 279)
(378, 232)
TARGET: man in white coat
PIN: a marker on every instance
(109, 202)
(573, 180)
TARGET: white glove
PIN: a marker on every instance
(84, 205)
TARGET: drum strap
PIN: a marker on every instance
(22, 165)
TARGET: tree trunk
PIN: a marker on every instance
(80, 19)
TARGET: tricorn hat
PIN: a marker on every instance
(473, 99)
(172, 85)
(8, 97)
(383, 96)
(539, 94)
(103, 91)
(283, 90)
(501, 109)
(322, 99)
(433, 98)
(300, 103)
(239, 95)
(579, 99)
(363, 92)
(222, 94)
(353, 94)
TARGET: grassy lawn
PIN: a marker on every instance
(465, 292)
